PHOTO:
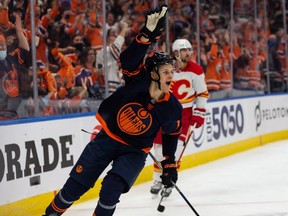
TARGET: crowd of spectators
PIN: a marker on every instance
(69, 48)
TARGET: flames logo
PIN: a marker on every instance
(180, 88)
(133, 119)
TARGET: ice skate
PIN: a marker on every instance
(156, 187)
(166, 192)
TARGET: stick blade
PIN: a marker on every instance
(161, 208)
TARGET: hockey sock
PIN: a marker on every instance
(71, 191)
(159, 156)
(58, 205)
(112, 187)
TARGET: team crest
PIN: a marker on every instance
(133, 119)
(79, 169)
(10, 84)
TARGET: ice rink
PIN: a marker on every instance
(251, 183)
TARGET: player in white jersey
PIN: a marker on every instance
(189, 87)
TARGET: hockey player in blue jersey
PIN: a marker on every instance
(131, 118)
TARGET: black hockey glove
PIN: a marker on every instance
(169, 172)
(154, 24)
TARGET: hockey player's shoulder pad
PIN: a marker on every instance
(195, 68)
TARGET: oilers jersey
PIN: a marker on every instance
(131, 116)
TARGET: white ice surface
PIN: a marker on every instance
(251, 183)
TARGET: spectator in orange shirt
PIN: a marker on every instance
(46, 81)
(93, 30)
(43, 34)
(214, 65)
(66, 71)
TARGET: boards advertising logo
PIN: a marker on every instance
(220, 123)
(268, 114)
(18, 161)
(257, 115)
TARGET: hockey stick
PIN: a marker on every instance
(88, 132)
(186, 143)
(161, 208)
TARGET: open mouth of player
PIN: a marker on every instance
(168, 83)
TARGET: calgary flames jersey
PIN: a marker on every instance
(189, 84)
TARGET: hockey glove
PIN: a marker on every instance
(198, 117)
(169, 172)
(154, 24)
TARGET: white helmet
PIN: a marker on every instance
(181, 44)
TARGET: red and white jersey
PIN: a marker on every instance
(189, 84)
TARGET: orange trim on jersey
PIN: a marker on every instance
(57, 209)
(133, 73)
(178, 126)
(112, 135)
(177, 133)
(165, 98)
(105, 127)
(137, 38)
(146, 150)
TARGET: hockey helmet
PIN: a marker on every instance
(156, 59)
(181, 44)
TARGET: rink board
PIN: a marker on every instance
(36, 156)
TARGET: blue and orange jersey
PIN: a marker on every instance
(131, 116)
(14, 63)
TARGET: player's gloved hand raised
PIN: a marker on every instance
(169, 172)
(154, 24)
(198, 117)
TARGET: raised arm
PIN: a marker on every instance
(23, 42)
(132, 57)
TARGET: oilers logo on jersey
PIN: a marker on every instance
(133, 119)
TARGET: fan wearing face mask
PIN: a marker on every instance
(12, 64)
